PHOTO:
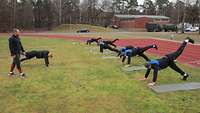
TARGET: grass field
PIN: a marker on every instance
(68, 28)
(79, 81)
(97, 31)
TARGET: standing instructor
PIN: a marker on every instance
(16, 49)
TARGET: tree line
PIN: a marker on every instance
(45, 14)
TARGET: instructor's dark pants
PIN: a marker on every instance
(16, 62)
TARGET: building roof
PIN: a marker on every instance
(140, 16)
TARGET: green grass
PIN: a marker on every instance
(97, 31)
(66, 28)
(78, 81)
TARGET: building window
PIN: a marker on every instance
(165, 19)
(157, 19)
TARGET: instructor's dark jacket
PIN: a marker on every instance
(15, 45)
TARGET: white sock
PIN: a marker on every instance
(185, 74)
(187, 40)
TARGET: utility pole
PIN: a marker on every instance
(178, 11)
(60, 11)
(14, 12)
(184, 15)
(198, 1)
(80, 15)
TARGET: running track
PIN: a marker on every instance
(191, 55)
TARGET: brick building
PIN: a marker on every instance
(138, 21)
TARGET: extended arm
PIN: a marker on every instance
(46, 61)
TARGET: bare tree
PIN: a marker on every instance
(149, 7)
(67, 11)
(198, 4)
(184, 15)
(5, 15)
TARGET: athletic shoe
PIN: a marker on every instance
(22, 75)
(128, 65)
(185, 76)
(11, 74)
(155, 46)
(152, 84)
(190, 40)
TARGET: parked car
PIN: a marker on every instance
(83, 31)
(153, 27)
(191, 29)
(197, 28)
(115, 27)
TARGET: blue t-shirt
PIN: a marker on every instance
(154, 62)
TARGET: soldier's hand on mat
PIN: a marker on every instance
(24, 53)
(151, 84)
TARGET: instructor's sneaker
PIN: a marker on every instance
(23, 75)
(185, 76)
(155, 46)
(11, 74)
(190, 40)
(152, 84)
(128, 65)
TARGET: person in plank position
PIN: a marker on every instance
(45, 54)
(123, 49)
(107, 44)
(130, 51)
(90, 41)
(167, 61)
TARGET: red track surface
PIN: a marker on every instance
(191, 55)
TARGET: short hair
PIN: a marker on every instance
(15, 30)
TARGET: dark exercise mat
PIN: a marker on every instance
(175, 87)
(134, 68)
